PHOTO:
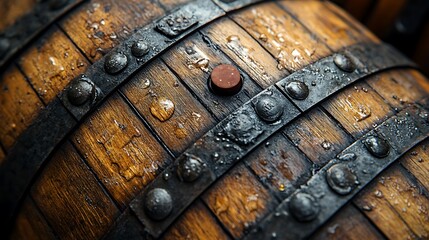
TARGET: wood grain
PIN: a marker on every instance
(244, 51)
(400, 87)
(189, 121)
(13, 10)
(238, 200)
(19, 105)
(50, 67)
(99, 25)
(393, 201)
(67, 186)
(320, 138)
(325, 24)
(272, 27)
(279, 165)
(121, 151)
(417, 162)
(31, 224)
(193, 60)
(348, 224)
(185, 227)
(358, 108)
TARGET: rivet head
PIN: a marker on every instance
(190, 168)
(4, 46)
(268, 108)
(225, 79)
(341, 179)
(344, 62)
(297, 90)
(140, 48)
(304, 207)
(158, 204)
(115, 63)
(377, 146)
(81, 90)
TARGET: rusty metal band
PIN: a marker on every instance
(26, 28)
(250, 125)
(309, 207)
(57, 120)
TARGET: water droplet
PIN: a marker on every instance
(326, 145)
(146, 83)
(378, 194)
(180, 131)
(162, 108)
(251, 203)
(221, 204)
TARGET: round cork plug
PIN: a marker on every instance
(225, 79)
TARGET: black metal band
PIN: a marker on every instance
(15, 37)
(309, 207)
(234, 137)
(36, 144)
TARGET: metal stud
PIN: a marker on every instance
(190, 168)
(341, 179)
(304, 207)
(115, 63)
(344, 62)
(140, 48)
(297, 90)
(158, 204)
(4, 46)
(81, 90)
(268, 108)
(377, 146)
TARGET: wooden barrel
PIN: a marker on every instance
(127, 120)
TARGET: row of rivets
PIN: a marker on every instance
(340, 179)
(158, 202)
(116, 62)
(299, 90)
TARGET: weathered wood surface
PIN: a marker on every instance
(131, 138)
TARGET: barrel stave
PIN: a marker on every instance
(20, 105)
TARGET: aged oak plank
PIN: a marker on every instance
(394, 202)
(238, 200)
(318, 136)
(348, 224)
(121, 151)
(271, 26)
(358, 108)
(400, 87)
(98, 26)
(185, 227)
(20, 105)
(417, 162)
(68, 186)
(181, 118)
(50, 67)
(279, 165)
(31, 224)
